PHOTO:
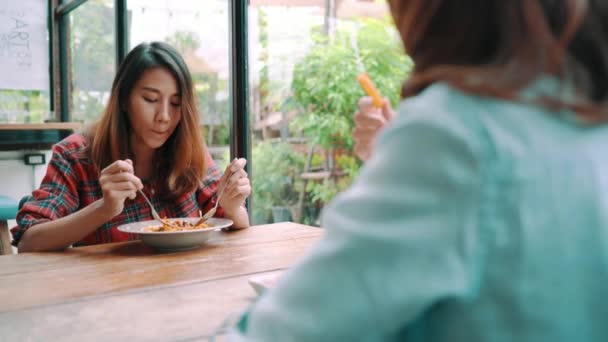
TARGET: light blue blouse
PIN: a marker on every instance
(475, 220)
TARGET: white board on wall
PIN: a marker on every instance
(24, 47)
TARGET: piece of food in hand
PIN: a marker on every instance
(370, 89)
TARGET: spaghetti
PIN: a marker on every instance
(176, 225)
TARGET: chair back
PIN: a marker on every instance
(8, 211)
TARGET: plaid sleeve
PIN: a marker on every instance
(57, 196)
(207, 194)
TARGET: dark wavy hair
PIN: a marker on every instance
(181, 159)
(497, 47)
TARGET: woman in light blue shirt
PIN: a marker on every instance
(482, 214)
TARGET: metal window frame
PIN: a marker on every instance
(65, 7)
(239, 78)
(240, 146)
(59, 18)
(122, 30)
(49, 20)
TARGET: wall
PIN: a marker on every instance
(18, 179)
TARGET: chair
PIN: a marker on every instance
(8, 211)
(328, 172)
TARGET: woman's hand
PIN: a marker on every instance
(235, 183)
(369, 120)
(118, 182)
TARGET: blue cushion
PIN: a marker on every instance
(8, 208)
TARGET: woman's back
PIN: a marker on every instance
(541, 225)
(475, 220)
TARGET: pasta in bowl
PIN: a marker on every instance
(175, 234)
(177, 225)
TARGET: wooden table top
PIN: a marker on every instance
(128, 291)
(41, 126)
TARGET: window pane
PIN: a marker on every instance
(199, 30)
(24, 106)
(24, 69)
(93, 58)
(303, 95)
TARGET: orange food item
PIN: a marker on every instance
(177, 225)
(370, 89)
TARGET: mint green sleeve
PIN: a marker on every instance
(400, 239)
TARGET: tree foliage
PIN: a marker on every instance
(275, 172)
(325, 86)
(93, 58)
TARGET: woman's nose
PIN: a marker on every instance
(163, 113)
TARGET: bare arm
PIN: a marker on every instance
(240, 218)
(117, 182)
(60, 233)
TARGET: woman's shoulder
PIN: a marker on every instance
(73, 146)
(443, 110)
(440, 101)
(489, 124)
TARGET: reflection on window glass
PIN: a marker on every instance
(93, 58)
(199, 31)
(303, 95)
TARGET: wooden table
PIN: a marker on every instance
(69, 126)
(127, 291)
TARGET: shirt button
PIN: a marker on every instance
(152, 191)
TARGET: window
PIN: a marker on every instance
(199, 30)
(303, 93)
(93, 58)
(24, 54)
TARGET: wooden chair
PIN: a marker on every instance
(8, 211)
(327, 172)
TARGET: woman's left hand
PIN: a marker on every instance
(237, 188)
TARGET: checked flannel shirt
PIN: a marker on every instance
(72, 182)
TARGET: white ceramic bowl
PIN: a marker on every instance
(178, 240)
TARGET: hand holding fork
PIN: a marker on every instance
(234, 188)
(209, 214)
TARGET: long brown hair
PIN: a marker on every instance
(181, 160)
(497, 47)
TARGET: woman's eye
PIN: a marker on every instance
(147, 99)
(176, 104)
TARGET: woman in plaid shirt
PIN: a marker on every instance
(148, 138)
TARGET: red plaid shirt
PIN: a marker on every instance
(71, 183)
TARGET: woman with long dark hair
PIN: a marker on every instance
(482, 212)
(149, 139)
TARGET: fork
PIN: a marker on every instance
(154, 212)
(211, 211)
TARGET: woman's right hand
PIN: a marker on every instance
(118, 182)
(369, 120)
